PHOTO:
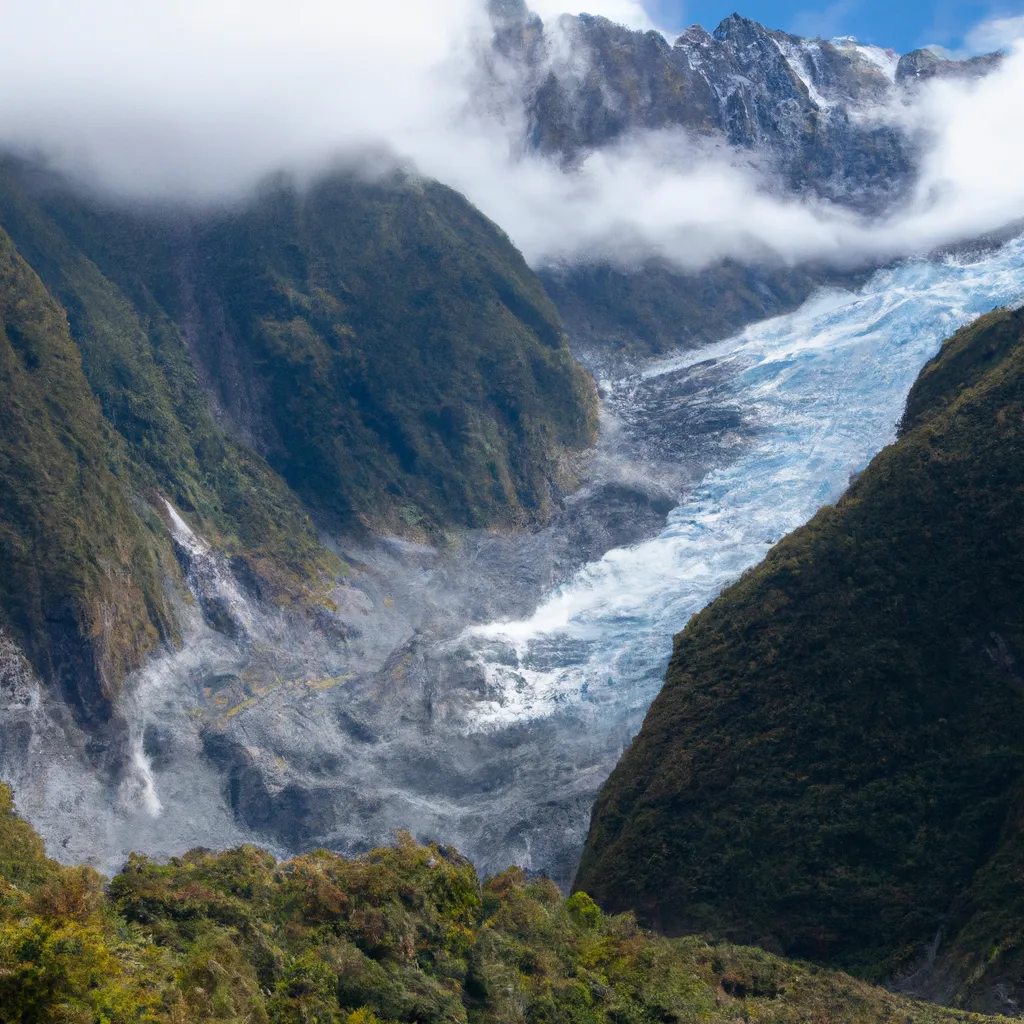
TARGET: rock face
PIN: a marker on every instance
(371, 353)
(834, 767)
(798, 110)
(791, 102)
(799, 106)
(920, 65)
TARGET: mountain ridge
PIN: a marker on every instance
(833, 766)
(374, 361)
(793, 110)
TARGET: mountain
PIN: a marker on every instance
(366, 353)
(612, 312)
(835, 766)
(795, 110)
(403, 934)
(80, 573)
(791, 102)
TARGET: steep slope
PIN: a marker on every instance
(138, 365)
(834, 766)
(409, 934)
(658, 308)
(794, 101)
(366, 352)
(80, 565)
(381, 343)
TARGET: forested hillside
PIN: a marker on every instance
(363, 354)
(408, 934)
(834, 767)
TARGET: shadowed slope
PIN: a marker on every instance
(80, 579)
(369, 354)
(839, 745)
(380, 343)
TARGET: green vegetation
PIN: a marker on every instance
(369, 353)
(406, 935)
(423, 372)
(654, 308)
(834, 767)
(381, 343)
(140, 369)
(76, 560)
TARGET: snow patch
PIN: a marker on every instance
(883, 60)
(801, 63)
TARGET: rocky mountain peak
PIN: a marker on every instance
(793, 103)
(928, 63)
(695, 35)
(738, 29)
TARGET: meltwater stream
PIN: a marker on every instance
(823, 389)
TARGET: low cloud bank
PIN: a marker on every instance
(198, 99)
(995, 34)
(624, 12)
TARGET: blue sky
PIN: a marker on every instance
(901, 24)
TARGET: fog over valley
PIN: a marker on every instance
(198, 102)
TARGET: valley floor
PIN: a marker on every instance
(481, 693)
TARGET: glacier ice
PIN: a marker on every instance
(480, 696)
(825, 387)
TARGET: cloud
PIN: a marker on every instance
(995, 34)
(662, 194)
(200, 98)
(826, 23)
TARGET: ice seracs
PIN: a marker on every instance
(823, 389)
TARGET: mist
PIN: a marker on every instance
(196, 100)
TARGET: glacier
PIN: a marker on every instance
(480, 695)
(824, 388)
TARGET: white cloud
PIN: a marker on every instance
(201, 97)
(203, 94)
(995, 34)
(624, 12)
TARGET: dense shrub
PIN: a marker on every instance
(833, 768)
(407, 935)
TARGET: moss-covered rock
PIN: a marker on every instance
(833, 767)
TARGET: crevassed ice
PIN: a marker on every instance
(826, 386)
